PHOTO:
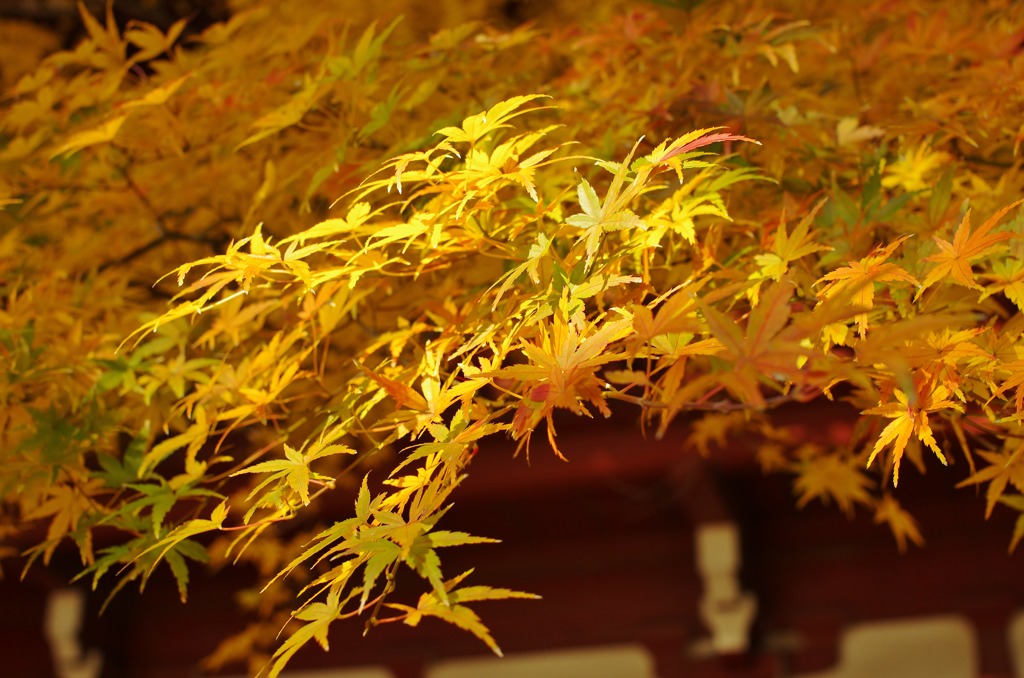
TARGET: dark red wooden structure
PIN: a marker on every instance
(607, 540)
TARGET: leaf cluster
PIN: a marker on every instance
(375, 250)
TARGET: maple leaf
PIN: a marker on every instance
(598, 219)
(453, 610)
(672, 154)
(107, 39)
(771, 456)
(150, 41)
(758, 354)
(849, 132)
(159, 498)
(1007, 277)
(1016, 502)
(788, 247)
(911, 170)
(1004, 468)
(175, 374)
(357, 215)
(886, 344)
(948, 351)
(902, 524)
(947, 347)
(484, 169)
(159, 95)
(824, 476)
(182, 533)
(293, 470)
(480, 125)
(954, 258)
(676, 317)
(714, 427)
(403, 394)
(1014, 381)
(318, 617)
(561, 372)
(859, 277)
(99, 135)
(67, 504)
(194, 437)
(910, 417)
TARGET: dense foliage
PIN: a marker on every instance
(387, 247)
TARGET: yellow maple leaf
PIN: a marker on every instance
(714, 428)
(477, 126)
(1004, 468)
(149, 40)
(824, 476)
(912, 170)
(98, 135)
(159, 95)
(771, 456)
(1007, 277)
(788, 247)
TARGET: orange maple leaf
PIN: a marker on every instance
(954, 259)
(859, 277)
(400, 392)
(910, 417)
(766, 353)
(1015, 381)
(901, 523)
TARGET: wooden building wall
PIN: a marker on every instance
(607, 540)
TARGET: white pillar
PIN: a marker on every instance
(726, 610)
(62, 625)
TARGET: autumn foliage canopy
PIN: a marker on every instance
(240, 270)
